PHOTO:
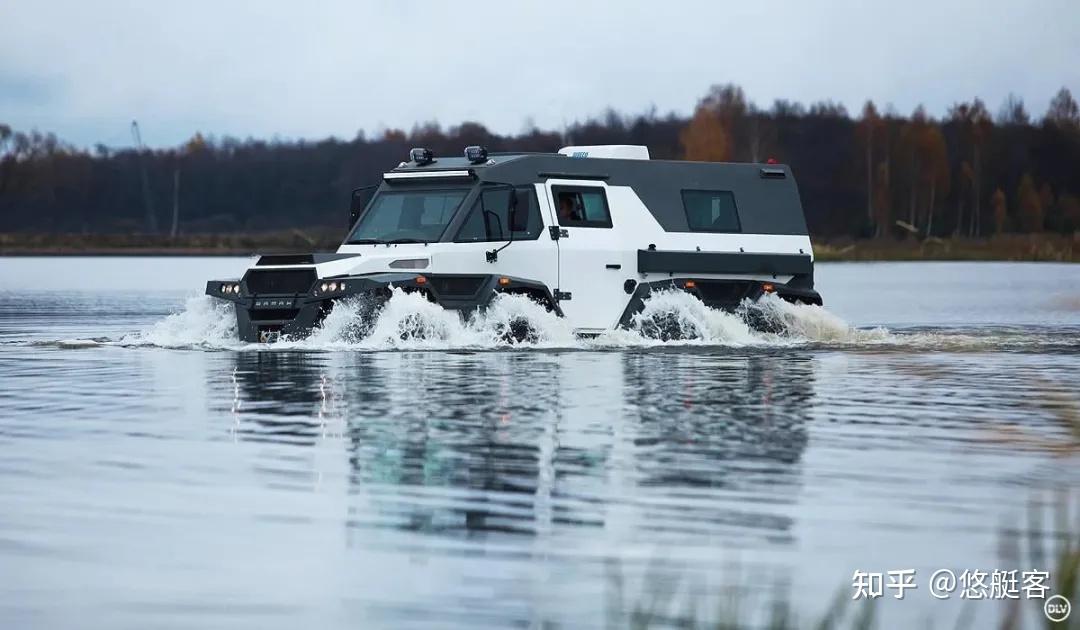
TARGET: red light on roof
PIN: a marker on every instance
(771, 161)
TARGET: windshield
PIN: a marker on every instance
(416, 216)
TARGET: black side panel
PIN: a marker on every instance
(300, 259)
(722, 262)
(767, 204)
(285, 259)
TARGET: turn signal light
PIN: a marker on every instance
(768, 287)
(690, 284)
(421, 280)
(504, 281)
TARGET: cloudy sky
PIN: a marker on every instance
(312, 69)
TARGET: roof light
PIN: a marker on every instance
(421, 156)
(771, 160)
(476, 154)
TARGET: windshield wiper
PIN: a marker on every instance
(400, 241)
(366, 241)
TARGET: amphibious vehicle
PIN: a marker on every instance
(589, 232)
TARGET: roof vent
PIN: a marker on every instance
(616, 151)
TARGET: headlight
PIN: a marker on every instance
(324, 287)
(333, 286)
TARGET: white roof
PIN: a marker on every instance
(619, 151)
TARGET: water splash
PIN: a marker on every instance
(808, 322)
(204, 322)
(410, 321)
(679, 316)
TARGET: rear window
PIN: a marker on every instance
(711, 211)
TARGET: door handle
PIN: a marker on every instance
(613, 266)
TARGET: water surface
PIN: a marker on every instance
(156, 473)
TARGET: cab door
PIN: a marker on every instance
(592, 266)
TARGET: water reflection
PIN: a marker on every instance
(282, 396)
(467, 445)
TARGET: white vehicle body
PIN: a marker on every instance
(595, 273)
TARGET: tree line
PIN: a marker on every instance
(878, 174)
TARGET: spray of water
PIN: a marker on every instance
(204, 322)
(409, 321)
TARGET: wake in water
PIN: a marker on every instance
(410, 321)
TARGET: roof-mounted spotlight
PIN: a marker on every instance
(476, 154)
(421, 156)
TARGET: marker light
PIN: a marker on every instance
(690, 284)
(421, 280)
(476, 154)
(504, 281)
(768, 287)
(421, 156)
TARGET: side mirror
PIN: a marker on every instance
(359, 201)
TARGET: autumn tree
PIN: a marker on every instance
(1013, 112)
(711, 134)
(1029, 206)
(1063, 111)
(869, 127)
(974, 128)
(934, 173)
(1069, 207)
(882, 205)
(910, 139)
(1001, 211)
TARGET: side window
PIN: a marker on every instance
(581, 206)
(711, 210)
(489, 218)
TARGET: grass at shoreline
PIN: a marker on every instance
(1009, 247)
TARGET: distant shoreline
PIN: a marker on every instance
(1009, 247)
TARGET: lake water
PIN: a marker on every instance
(156, 473)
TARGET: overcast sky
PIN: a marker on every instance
(312, 69)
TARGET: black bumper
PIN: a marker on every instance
(269, 307)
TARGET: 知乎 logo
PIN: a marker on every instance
(1057, 608)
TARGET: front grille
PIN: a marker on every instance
(272, 314)
(457, 286)
(279, 281)
(723, 291)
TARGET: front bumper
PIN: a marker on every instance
(267, 311)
